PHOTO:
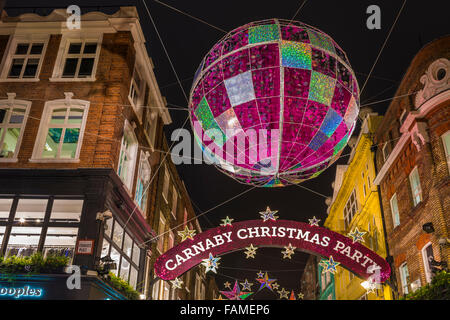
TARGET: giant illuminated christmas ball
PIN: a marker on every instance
(274, 102)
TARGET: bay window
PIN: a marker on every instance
(13, 117)
(61, 130)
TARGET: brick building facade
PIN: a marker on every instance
(413, 148)
(81, 136)
(308, 282)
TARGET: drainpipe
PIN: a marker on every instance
(391, 281)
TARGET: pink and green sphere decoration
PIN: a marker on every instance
(287, 79)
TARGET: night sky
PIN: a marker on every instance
(188, 40)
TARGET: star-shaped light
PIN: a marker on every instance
(227, 221)
(236, 293)
(186, 234)
(292, 297)
(268, 215)
(275, 286)
(289, 250)
(220, 297)
(283, 293)
(371, 287)
(246, 285)
(357, 235)
(300, 295)
(227, 285)
(266, 282)
(329, 265)
(177, 283)
(260, 274)
(211, 263)
(314, 221)
(251, 251)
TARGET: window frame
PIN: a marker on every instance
(141, 93)
(129, 130)
(143, 160)
(404, 278)
(428, 272)
(11, 104)
(394, 214)
(9, 53)
(446, 149)
(45, 124)
(385, 147)
(415, 172)
(68, 39)
(346, 212)
(166, 185)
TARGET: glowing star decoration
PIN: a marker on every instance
(236, 293)
(314, 221)
(266, 282)
(177, 283)
(246, 285)
(283, 293)
(186, 234)
(300, 296)
(227, 285)
(260, 274)
(357, 235)
(275, 286)
(226, 222)
(289, 250)
(268, 215)
(211, 263)
(285, 78)
(250, 251)
(292, 297)
(329, 265)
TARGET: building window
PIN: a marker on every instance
(171, 239)
(386, 151)
(29, 220)
(350, 209)
(78, 59)
(166, 182)
(446, 142)
(150, 124)
(161, 231)
(415, 186)
(127, 156)
(404, 277)
(137, 93)
(143, 180)
(427, 255)
(24, 58)
(174, 201)
(403, 116)
(12, 125)
(125, 252)
(61, 130)
(394, 210)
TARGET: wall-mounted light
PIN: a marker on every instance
(428, 227)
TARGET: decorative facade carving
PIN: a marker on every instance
(435, 80)
(419, 135)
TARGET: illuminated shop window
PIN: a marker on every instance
(124, 250)
(30, 219)
(12, 125)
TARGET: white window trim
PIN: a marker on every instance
(392, 210)
(21, 104)
(447, 152)
(174, 198)
(9, 51)
(385, 156)
(166, 184)
(143, 158)
(66, 40)
(141, 96)
(41, 136)
(401, 117)
(404, 281)
(162, 221)
(419, 185)
(425, 262)
(129, 129)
